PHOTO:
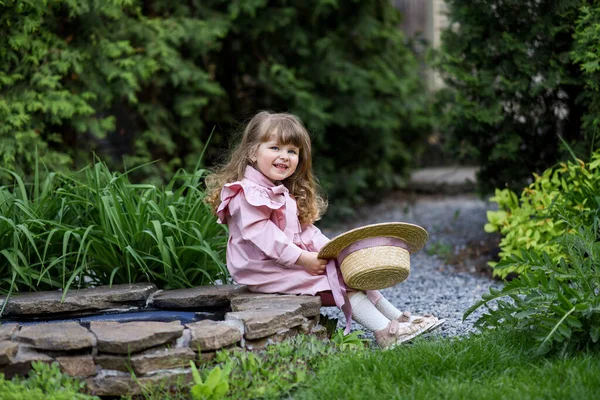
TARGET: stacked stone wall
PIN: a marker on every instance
(117, 358)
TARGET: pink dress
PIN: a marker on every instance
(266, 239)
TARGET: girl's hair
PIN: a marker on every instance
(287, 129)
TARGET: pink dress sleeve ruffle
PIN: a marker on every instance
(255, 195)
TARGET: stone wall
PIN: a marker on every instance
(115, 358)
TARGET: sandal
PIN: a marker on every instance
(396, 333)
(437, 322)
(409, 331)
(387, 336)
(428, 320)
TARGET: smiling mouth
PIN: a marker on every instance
(281, 166)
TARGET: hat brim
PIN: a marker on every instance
(414, 236)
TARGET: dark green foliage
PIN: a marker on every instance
(586, 53)
(85, 75)
(346, 71)
(516, 83)
(150, 79)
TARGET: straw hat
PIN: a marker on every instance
(375, 256)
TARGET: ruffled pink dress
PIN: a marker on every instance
(266, 239)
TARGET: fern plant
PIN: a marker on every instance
(557, 303)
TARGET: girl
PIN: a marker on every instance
(267, 195)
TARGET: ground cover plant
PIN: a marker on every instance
(493, 365)
(556, 303)
(45, 382)
(95, 227)
(272, 373)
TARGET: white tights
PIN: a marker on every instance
(366, 313)
(374, 317)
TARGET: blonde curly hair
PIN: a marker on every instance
(287, 129)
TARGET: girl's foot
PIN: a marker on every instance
(396, 333)
(428, 321)
(387, 336)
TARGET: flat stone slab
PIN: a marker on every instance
(98, 298)
(21, 364)
(132, 337)
(197, 297)
(123, 384)
(163, 359)
(210, 335)
(7, 331)
(449, 179)
(310, 306)
(8, 350)
(145, 360)
(114, 362)
(262, 323)
(77, 366)
(56, 336)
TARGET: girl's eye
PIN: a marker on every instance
(292, 151)
(274, 148)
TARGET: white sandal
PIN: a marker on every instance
(428, 320)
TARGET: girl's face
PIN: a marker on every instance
(276, 161)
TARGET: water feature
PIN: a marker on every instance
(185, 317)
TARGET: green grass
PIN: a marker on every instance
(491, 366)
(494, 365)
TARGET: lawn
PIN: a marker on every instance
(494, 365)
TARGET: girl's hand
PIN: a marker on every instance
(313, 265)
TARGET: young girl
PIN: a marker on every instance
(268, 197)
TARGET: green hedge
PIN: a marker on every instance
(520, 74)
(149, 80)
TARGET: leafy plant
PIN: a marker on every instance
(45, 382)
(555, 303)
(213, 388)
(558, 201)
(351, 341)
(96, 227)
(329, 323)
(273, 372)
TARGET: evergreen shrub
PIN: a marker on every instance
(149, 80)
(519, 74)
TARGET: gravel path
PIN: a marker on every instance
(433, 285)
